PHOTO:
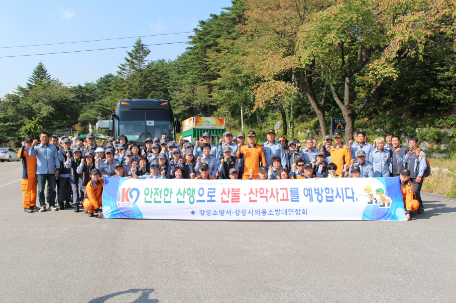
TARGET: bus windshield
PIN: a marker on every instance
(140, 130)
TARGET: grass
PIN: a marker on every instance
(442, 180)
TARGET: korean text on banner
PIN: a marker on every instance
(317, 199)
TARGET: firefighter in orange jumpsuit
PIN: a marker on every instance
(27, 154)
(94, 191)
(340, 153)
(251, 153)
(411, 204)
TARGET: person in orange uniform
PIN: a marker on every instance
(411, 204)
(251, 153)
(93, 194)
(204, 172)
(340, 153)
(27, 154)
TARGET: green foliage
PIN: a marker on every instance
(432, 135)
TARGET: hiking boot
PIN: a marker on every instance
(42, 209)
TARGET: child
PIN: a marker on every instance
(411, 204)
(28, 156)
(355, 172)
(233, 174)
(274, 169)
(93, 194)
(332, 171)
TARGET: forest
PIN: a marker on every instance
(383, 66)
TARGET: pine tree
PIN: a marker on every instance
(136, 60)
(39, 76)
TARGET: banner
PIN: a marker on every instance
(314, 199)
(209, 122)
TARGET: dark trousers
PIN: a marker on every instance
(50, 197)
(395, 175)
(417, 188)
(64, 190)
(76, 192)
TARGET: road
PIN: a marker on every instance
(68, 257)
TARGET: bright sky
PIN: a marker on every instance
(32, 22)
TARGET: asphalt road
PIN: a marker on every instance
(68, 257)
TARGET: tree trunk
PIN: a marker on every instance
(284, 117)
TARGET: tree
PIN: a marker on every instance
(136, 60)
(40, 76)
(354, 46)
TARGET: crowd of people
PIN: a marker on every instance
(74, 173)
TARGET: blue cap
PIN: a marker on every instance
(128, 153)
(187, 145)
(206, 135)
(226, 148)
(111, 140)
(121, 146)
(148, 140)
(327, 137)
(189, 152)
(156, 140)
(153, 163)
(109, 150)
(233, 170)
(161, 156)
(155, 145)
(90, 136)
(176, 151)
(89, 155)
(251, 133)
(66, 140)
(163, 142)
(241, 135)
(291, 142)
(77, 149)
(228, 133)
(321, 154)
(361, 153)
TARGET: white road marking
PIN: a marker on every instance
(10, 183)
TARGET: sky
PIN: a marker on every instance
(34, 22)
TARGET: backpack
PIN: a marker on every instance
(427, 171)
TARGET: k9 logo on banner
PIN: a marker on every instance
(128, 198)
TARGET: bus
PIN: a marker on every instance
(139, 119)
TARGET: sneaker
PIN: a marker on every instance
(28, 210)
(53, 208)
(90, 215)
(76, 208)
(42, 209)
(68, 205)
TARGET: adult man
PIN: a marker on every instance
(389, 140)
(251, 153)
(309, 153)
(240, 142)
(228, 142)
(273, 148)
(48, 166)
(415, 161)
(64, 192)
(365, 168)
(340, 153)
(292, 154)
(327, 143)
(198, 151)
(28, 157)
(360, 144)
(380, 157)
(90, 145)
(398, 152)
(206, 157)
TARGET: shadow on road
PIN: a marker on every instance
(143, 296)
(432, 210)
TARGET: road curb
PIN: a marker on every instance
(437, 196)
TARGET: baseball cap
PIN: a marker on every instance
(270, 131)
(176, 151)
(76, 150)
(55, 136)
(128, 153)
(206, 135)
(240, 135)
(148, 140)
(100, 150)
(405, 172)
(356, 169)
(360, 153)
(121, 146)
(161, 156)
(118, 165)
(203, 165)
(226, 148)
(291, 142)
(187, 145)
(89, 155)
(233, 170)
(189, 152)
(327, 137)
(153, 163)
(155, 145)
(163, 142)
(66, 140)
(263, 169)
(109, 150)
(308, 165)
(228, 133)
(337, 135)
(320, 154)
(251, 133)
(156, 140)
(111, 140)
(27, 140)
(94, 171)
(90, 136)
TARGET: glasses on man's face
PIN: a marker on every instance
(300, 165)
(204, 169)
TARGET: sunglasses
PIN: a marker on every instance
(300, 165)
(204, 169)
(154, 167)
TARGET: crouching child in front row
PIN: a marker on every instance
(93, 194)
